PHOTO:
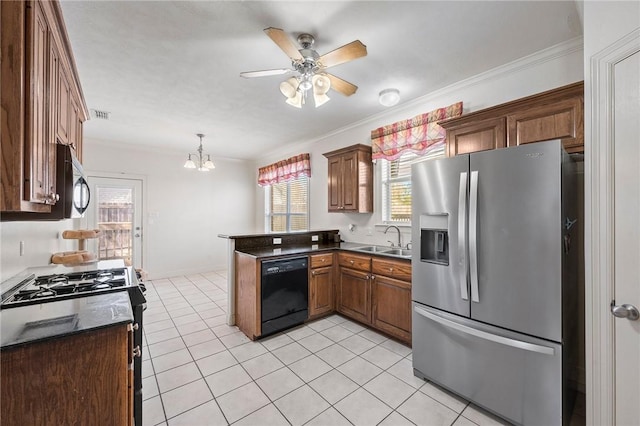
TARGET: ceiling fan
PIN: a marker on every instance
(310, 67)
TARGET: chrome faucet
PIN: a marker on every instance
(399, 236)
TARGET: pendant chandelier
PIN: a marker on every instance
(200, 163)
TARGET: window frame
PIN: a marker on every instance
(288, 214)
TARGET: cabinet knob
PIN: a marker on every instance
(351, 261)
(373, 277)
(313, 272)
(135, 326)
(52, 197)
(324, 260)
(390, 269)
(137, 352)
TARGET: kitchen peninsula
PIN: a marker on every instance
(371, 284)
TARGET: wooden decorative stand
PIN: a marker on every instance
(78, 256)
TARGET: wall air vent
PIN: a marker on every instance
(100, 115)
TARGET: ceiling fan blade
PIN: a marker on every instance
(343, 54)
(341, 85)
(283, 41)
(265, 73)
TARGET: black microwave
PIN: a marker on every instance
(71, 187)
(71, 184)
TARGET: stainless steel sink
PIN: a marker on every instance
(399, 252)
(387, 251)
(373, 249)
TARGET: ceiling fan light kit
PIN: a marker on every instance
(310, 67)
(201, 164)
(389, 97)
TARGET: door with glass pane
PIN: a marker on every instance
(116, 210)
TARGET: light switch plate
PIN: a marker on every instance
(277, 241)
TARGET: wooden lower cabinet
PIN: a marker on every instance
(354, 294)
(392, 306)
(376, 291)
(321, 291)
(79, 379)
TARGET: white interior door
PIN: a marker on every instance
(116, 209)
(627, 237)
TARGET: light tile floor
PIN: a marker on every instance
(333, 371)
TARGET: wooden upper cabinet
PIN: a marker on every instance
(39, 177)
(482, 136)
(555, 114)
(350, 180)
(63, 110)
(559, 120)
(42, 102)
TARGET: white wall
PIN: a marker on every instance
(548, 69)
(183, 210)
(41, 240)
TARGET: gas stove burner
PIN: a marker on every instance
(42, 293)
(57, 279)
(52, 287)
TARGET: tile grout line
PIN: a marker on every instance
(294, 340)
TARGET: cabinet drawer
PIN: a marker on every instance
(320, 260)
(354, 261)
(391, 268)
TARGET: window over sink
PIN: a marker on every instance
(396, 184)
(287, 206)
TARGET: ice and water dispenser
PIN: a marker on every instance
(434, 238)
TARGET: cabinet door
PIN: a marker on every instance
(559, 120)
(64, 106)
(392, 306)
(321, 291)
(354, 294)
(335, 184)
(36, 159)
(350, 182)
(479, 136)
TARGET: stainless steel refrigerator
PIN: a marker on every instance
(493, 289)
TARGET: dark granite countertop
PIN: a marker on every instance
(272, 252)
(275, 234)
(28, 324)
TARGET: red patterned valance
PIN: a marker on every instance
(285, 170)
(418, 134)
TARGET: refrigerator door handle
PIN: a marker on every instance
(462, 230)
(545, 350)
(473, 237)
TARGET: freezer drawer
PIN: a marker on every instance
(514, 376)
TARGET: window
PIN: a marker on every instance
(287, 206)
(396, 184)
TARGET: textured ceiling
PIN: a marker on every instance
(168, 70)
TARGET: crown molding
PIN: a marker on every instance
(551, 53)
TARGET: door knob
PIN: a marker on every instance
(629, 312)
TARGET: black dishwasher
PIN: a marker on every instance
(284, 294)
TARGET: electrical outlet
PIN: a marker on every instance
(21, 248)
(314, 238)
(277, 241)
